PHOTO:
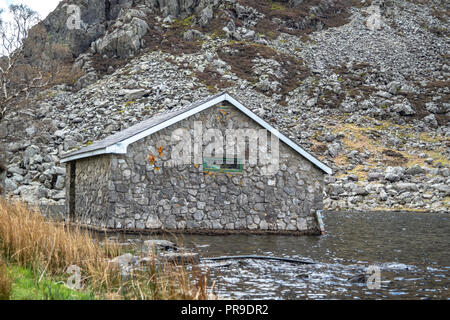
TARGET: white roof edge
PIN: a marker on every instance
(84, 155)
(121, 147)
(279, 135)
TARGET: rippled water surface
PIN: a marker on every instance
(411, 249)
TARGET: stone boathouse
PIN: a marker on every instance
(213, 166)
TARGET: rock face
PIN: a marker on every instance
(94, 16)
(114, 28)
(367, 98)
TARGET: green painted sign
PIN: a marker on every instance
(222, 165)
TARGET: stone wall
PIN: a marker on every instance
(146, 193)
(91, 190)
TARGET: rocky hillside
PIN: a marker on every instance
(363, 85)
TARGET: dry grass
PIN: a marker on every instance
(357, 171)
(5, 282)
(47, 248)
(243, 56)
(357, 138)
(212, 79)
(28, 240)
(171, 40)
(102, 64)
(375, 140)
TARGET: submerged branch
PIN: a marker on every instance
(258, 258)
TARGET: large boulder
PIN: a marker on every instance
(431, 121)
(32, 193)
(126, 39)
(404, 109)
(405, 186)
(156, 245)
(415, 170)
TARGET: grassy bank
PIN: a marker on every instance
(43, 251)
(24, 285)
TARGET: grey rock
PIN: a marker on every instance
(10, 185)
(31, 131)
(431, 121)
(16, 170)
(124, 260)
(404, 109)
(361, 191)
(394, 87)
(32, 194)
(31, 151)
(135, 94)
(437, 108)
(206, 15)
(60, 183)
(190, 35)
(180, 257)
(445, 172)
(334, 149)
(404, 186)
(383, 195)
(375, 176)
(444, 188)
(152, 245)
(58, 195)
(415, 170)
(86, 80)
(125, 41)
(392, 177)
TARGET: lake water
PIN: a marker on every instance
(410, 249)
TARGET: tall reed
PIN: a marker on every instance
(5, 282)
(48, 248)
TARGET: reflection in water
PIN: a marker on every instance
(411, 249)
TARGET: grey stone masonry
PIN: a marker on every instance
(90, 189)
(145, 190)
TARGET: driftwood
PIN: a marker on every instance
(258, 258)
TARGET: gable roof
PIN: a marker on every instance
(119, 142)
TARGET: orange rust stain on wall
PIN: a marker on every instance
(151, 159)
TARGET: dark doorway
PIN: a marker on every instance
(71, 199)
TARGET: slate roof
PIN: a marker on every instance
(138, 128)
